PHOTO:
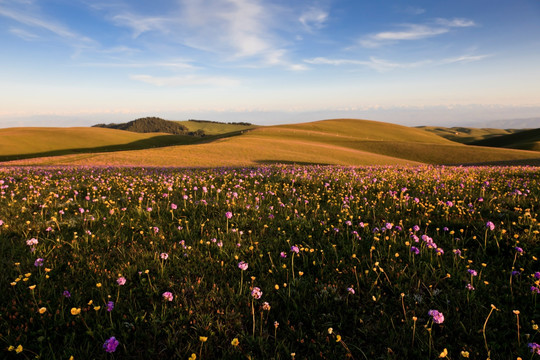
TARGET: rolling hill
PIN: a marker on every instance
(338, 141)
(466, 135)
(525, 140)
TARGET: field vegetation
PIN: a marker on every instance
(337, 142)
(467, 135)
(271, 262)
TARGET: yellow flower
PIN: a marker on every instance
(19, 349)
(32, 287)
(98, 285)
(90, 302)
(203, 338)
(330, 330)
(235, 342)
(443, 354)
(515, 312)
(338, 338)
(42, 310)
(97, 308)
(192, 357)
(276, 287)
(11, 348)
(75, 311)
(71, 357)
(465, 354)
(535, 327)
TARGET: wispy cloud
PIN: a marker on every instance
(373, 63)
(382, 65)
(414, 32)
(187, 80)
(35, 20)
(313, 18)
(23, 34)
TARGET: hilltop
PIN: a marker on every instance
(335, 141)
(151, 125)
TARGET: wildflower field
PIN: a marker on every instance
(275, 262)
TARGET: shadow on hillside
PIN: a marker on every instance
(158, 141)
(287, 162)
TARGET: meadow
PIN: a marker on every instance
(270, 262)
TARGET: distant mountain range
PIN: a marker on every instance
(526, 123)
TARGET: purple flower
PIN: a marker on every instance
(66, 293)
(242, 265)
(416, 228)
(469, 287)
(228, 215)
(256, 293)
(457, 252)
(351, 290)
(415, 250)
(121, 280)
(490, 225)
(535, 348)
(518, 249)
(38, 262)
(110, 344)
(438, 317)
(167, 295)
(282, 254)
(295, 249)
(535, 289)
(472, 272)
(537, 275)
(32, 241)
(110, 306)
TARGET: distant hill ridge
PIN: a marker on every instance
(152, 125)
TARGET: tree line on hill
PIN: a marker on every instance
(219, 122)
(153, 124)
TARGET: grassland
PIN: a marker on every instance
(468, 135)
(337, 142)
(21, 143)
(271, 262)
(525, 140)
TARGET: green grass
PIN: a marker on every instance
(350, 261)
(525, 140)
(466, 135)
(214, 128)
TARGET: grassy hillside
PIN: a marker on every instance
(466, 135)
(214, 128)
(20, 143)
(341, 142)
(525, 140)
(149, 125)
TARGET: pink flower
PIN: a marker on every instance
(438, 317)
(228, 214)
(243, 265)
(121, 280)
(256, 293)
(174, 206)
(167, 295)
(164, 256)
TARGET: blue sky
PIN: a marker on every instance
(77, 62)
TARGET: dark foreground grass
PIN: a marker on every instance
(270, 262)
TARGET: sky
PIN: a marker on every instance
(432, 62)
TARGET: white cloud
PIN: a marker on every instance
(23, 34)
(25, 17)
(414, 32)
(187, 80)
(141, 24)
(373, 63)
(313, 18)
(382, 65)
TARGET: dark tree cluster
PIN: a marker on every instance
(153, 124)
